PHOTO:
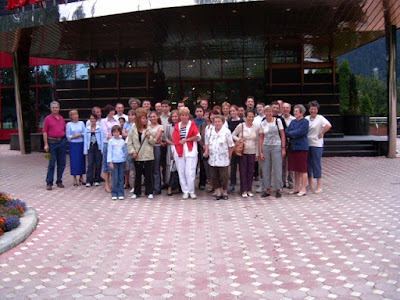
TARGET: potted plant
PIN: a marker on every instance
(355, 120)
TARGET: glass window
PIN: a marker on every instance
(173, 92)
(9, 115)
(66, 72)
(46, 75)
(256, 89)
(232, 68)
(254, 67)
(46, 96)
(188, 91)
(190, 68)
(236, 92)
(32, 75)
(82, 71)
(171, 69)
(7, 77)
(284, 56)
(220, 92)
(211, 68)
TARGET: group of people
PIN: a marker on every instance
(168, 148)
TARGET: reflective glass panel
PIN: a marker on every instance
(9, 115)
(190, 68)
(66, 72)
(46, 96)
(46, 75)
(7, 77)
(82, 71)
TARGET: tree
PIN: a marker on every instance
(377, 91)
(366, 107)
(354, 101)
(344, 87)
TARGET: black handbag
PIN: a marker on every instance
(174, 177)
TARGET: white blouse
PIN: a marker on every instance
(218, 145)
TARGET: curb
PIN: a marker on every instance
(16, 236)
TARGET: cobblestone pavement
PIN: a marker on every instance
(341, 244)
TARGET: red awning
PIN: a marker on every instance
(6, 61)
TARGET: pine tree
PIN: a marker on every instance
(366, 107)
(344, 87)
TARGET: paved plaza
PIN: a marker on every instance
(341, 244)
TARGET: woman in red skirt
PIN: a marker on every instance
(298, 149)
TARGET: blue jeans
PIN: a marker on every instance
(58, 153)
(94, 165)
(156, 169)
(118, 180)
(314, 167)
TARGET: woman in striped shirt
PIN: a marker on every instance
(185, 137)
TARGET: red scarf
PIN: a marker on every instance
(176, 137)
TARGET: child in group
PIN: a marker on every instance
(130, 166)
(116, 157)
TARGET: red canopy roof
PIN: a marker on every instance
(6, 61)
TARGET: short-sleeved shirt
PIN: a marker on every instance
(127, 127)
(54, 127)
(154, 131)
(106, 125)
(315, 127)
(218, 145)
(271, 132)
(288, 120)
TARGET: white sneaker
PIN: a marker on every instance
(244, 195)
(88, 185)
(121, 197)
(150, 196)
(113, 198)
(97, 184)
(193, 195)
(133, 196)
(259, 189)
(250, 194)
(185, 195)
(132, 190)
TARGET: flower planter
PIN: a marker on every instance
(37, 143)
(356, 125)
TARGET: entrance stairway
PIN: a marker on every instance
(368, 145)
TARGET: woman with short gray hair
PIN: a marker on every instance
(298, 149)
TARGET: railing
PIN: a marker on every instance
(378, 121)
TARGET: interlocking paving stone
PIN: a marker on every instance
(341, 244)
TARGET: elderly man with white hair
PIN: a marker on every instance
(55, 143)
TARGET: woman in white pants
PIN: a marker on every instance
(185, 137)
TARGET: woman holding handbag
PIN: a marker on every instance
(247, 133)
(140, 145)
